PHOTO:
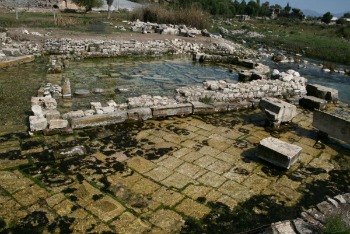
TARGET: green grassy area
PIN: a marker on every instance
(328, 43)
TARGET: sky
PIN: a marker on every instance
(321, 6)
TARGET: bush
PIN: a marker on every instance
(158, 14)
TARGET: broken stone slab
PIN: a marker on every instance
(304, 227)
(322, 92)
(277, 111)
(284, 227)
(99, 120)
(172, 110)
(46, 102)
(333, 125)
(220, 106)
(278, 152)
(37, 123)
(202, 108)
(73, 114)
(311, 103)
(82, 92)
(138, 114)
(70, 152)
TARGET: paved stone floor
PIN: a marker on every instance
(188, 174)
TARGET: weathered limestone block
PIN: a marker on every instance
(312, 103)
(277, 111)
(50, 103)
(304, 227)
(284, 227)
(202, 108)
(66, 89)
(220, 106)
(99, 120)
(58, 123)
(171, 110)
(107, 109)
(37, 123)
(139, 114)
(243, 105)
(37, 110)
(333, 125)
(73, 114)
(322, 92)
(70, 152)
(278, 152)
(52, 114)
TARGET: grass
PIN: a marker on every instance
(328, 43)
(335, 225)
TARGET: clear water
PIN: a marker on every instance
(157, 77)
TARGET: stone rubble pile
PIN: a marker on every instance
(222, 91)
(10, 48)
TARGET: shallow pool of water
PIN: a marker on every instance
(122, 78)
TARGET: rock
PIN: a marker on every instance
(311, 103)
(172, 110)
(37, 111)
(284, 227)
(205, 33)
(277, 111)
(66, 90)
(304, 227)
(37, 123)
(98, 91)
(73, 114)
(82, 92)
(50, 103)
(112, 103)
(279, 153)
(70, 152)
(58, 123)
(202, 108)
(275, 74)
(11, 52)
(279, 58)
(107, 109)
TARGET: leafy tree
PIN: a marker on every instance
(109, 4)
(297, 13)
(327, 17)
(243, 7)
(252, 8)
(88, 4)
(265, 9)
(346, 15)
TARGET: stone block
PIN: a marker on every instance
(279, 153)
(139, 114)
(52, 114)
(99, 120)
(202, 108)
(310, 102)
(70, 152)
(73, 114)
(322, 92)
(282, 227)
(277, 111)
(334, 126)
(220, 106)
(37, 110)
(66, 89)
(58, 123)
(172, 110)
(37, 123)
(239, 106)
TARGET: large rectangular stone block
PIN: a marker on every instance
(278, 110)
(278, 152)
(322, 92)
(312, 103)
(202, 108)
(138, 114)
(172, 110)
(99, 120)
(333, 125)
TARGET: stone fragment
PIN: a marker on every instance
(278, 152)
(107, 109)
(304, 227)
(37, 111)
(277, 111)
(99, 120)
(50, 103)
(312, 103)
(202, 108)
(284, 227)
(82, 92)
(138, 114)
(172, 110)
(58, 123)
(73, 114)
(70, 152)
(37, 123)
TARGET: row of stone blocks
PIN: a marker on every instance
(145, 113)
(318, 96)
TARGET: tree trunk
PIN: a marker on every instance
(109, 12)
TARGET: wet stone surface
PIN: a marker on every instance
(198, 174)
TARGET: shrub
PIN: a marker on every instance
(194, 17)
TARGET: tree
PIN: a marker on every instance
(88, 4)
(109, 4)
(265, 9)
(252, 8)
(327, 17)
